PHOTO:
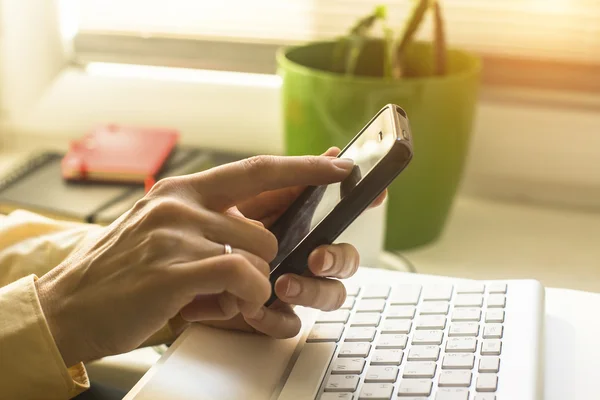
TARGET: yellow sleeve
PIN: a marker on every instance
(31, 366)
(32, 244)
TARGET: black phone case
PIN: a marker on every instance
(349, 207)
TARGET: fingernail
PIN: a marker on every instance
(293, 287)
(343, 163)
(259, 314)
(327, 261)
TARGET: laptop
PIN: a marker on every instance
(398, 336)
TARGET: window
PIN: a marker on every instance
(541, 60)
(553, 43)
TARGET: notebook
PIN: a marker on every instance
(37, 186)
(115, 153)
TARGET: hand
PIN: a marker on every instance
(334, 261)
(165, 258)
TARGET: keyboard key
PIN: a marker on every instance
(381, 374)
(360, 334)
(406, 295)
(437, 292)
(325, 333)
(458, 361)
(496, 301)
(464, 329)
(348, 303)
(431, 322)
(474, 287)
(337, 396)
(396, 326)
(494, 316)
(387, 357)
(497, 288)
(489, 364)
(491, 347)
(348, 366)
(424, 353)
(371, 305)
(468, 300)
(461, 345)
(333, 316)
(455, 378)
(414, 387)
(352, 290)
(406, 312)
(434, 307)
(376, 391)
(342, 383)
(365, 319)
(466, 314)
(355, 350)
(392, 341)
(452, 394)
(376, 292)
(428, 337)
(419, 369)
(485, 396)
(487, 383)
(493, 331)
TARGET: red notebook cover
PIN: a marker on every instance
(119, 153)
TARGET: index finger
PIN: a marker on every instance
(224, 186)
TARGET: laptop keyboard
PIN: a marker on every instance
(441, 342)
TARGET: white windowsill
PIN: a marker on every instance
(487, 239)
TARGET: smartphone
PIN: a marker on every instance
(381, 150)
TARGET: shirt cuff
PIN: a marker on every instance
(31, 365)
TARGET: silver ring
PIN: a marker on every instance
(227, 248)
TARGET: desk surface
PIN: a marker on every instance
(494, 240)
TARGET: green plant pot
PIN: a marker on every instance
(322, 108)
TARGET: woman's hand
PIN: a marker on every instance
(165, 257)
(321, 292)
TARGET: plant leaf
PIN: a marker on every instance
(339, 50)
(350, 46)
(356, 44)
(439, 40)
(413, 22)
(363, 25)
(381, 12)
(388, 53)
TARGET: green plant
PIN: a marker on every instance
(348, 48)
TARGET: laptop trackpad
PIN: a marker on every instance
(209, 363)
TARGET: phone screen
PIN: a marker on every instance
(316, 203)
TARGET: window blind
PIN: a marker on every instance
(558, 30)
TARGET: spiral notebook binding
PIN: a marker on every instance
(27, 166)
